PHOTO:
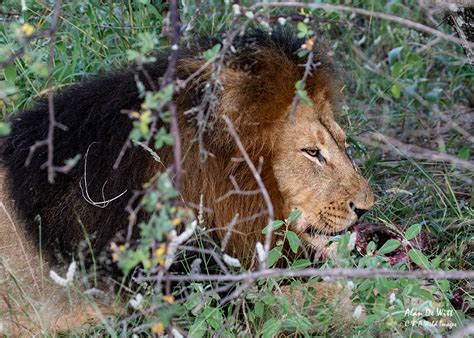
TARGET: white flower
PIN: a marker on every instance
(350, 285)
(391, 298)
(176, 333)
(282, 21)
(249, 14)
(352, 241)
(357, 312)
(69, 276)
(136, 302)
(176, 240)
(71, 271)
(260, 252)
(231, 261)
(174, 47)
(236, 9)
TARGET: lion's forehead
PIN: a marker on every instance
(319, 131)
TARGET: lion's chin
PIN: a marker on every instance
(321, 245)
(324, 246)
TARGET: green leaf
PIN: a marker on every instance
(293, 240)
(275, 225)
(259, 308)
(274, 255)
(198, 329)
(269, 299)
(394, 53)
(5, 129)
(303, 94)
(396, 69)
(10, 73)
(389, 246)
(271, 327)
(299, 85)
(443, 285)
(412, 231)
(302, 28)
(396, 91)
(371, 246)
(297, 322)
(294, 215)
(422, 293)
(212, 316)
(419, 259)
(212, 52)
(166, 94)
(162, 138)
(301, 263)
(463, 154)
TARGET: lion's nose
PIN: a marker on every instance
(358, 212)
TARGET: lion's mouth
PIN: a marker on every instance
(313, 231)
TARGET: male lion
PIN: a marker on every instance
(304, 160)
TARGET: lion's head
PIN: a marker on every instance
(315, 175)
(302, 153)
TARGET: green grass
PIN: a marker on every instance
(382, 62)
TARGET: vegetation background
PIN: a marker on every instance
(404, 88)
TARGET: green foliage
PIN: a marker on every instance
(213, 52)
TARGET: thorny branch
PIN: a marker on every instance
(261, 186)
(49, 141)
(379, 15)
(309, 67)
(419, 153)
(168, 79)
(331, 272)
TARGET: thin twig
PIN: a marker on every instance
(49, 141)
(417, 152)
(261, 185)
(361, 11)
(168, 79)
(332, 272)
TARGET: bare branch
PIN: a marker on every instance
(379, 15)
(261, 185)
(417, 152)
(49, 141)
(168, 79)
(334, 273)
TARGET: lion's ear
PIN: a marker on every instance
(260, 91)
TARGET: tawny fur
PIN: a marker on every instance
(30, 302)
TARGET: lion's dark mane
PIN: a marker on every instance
(92, 110)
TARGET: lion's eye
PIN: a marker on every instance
(316, 153)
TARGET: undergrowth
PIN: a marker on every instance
(383, 65)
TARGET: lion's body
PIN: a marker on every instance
(258, 92)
